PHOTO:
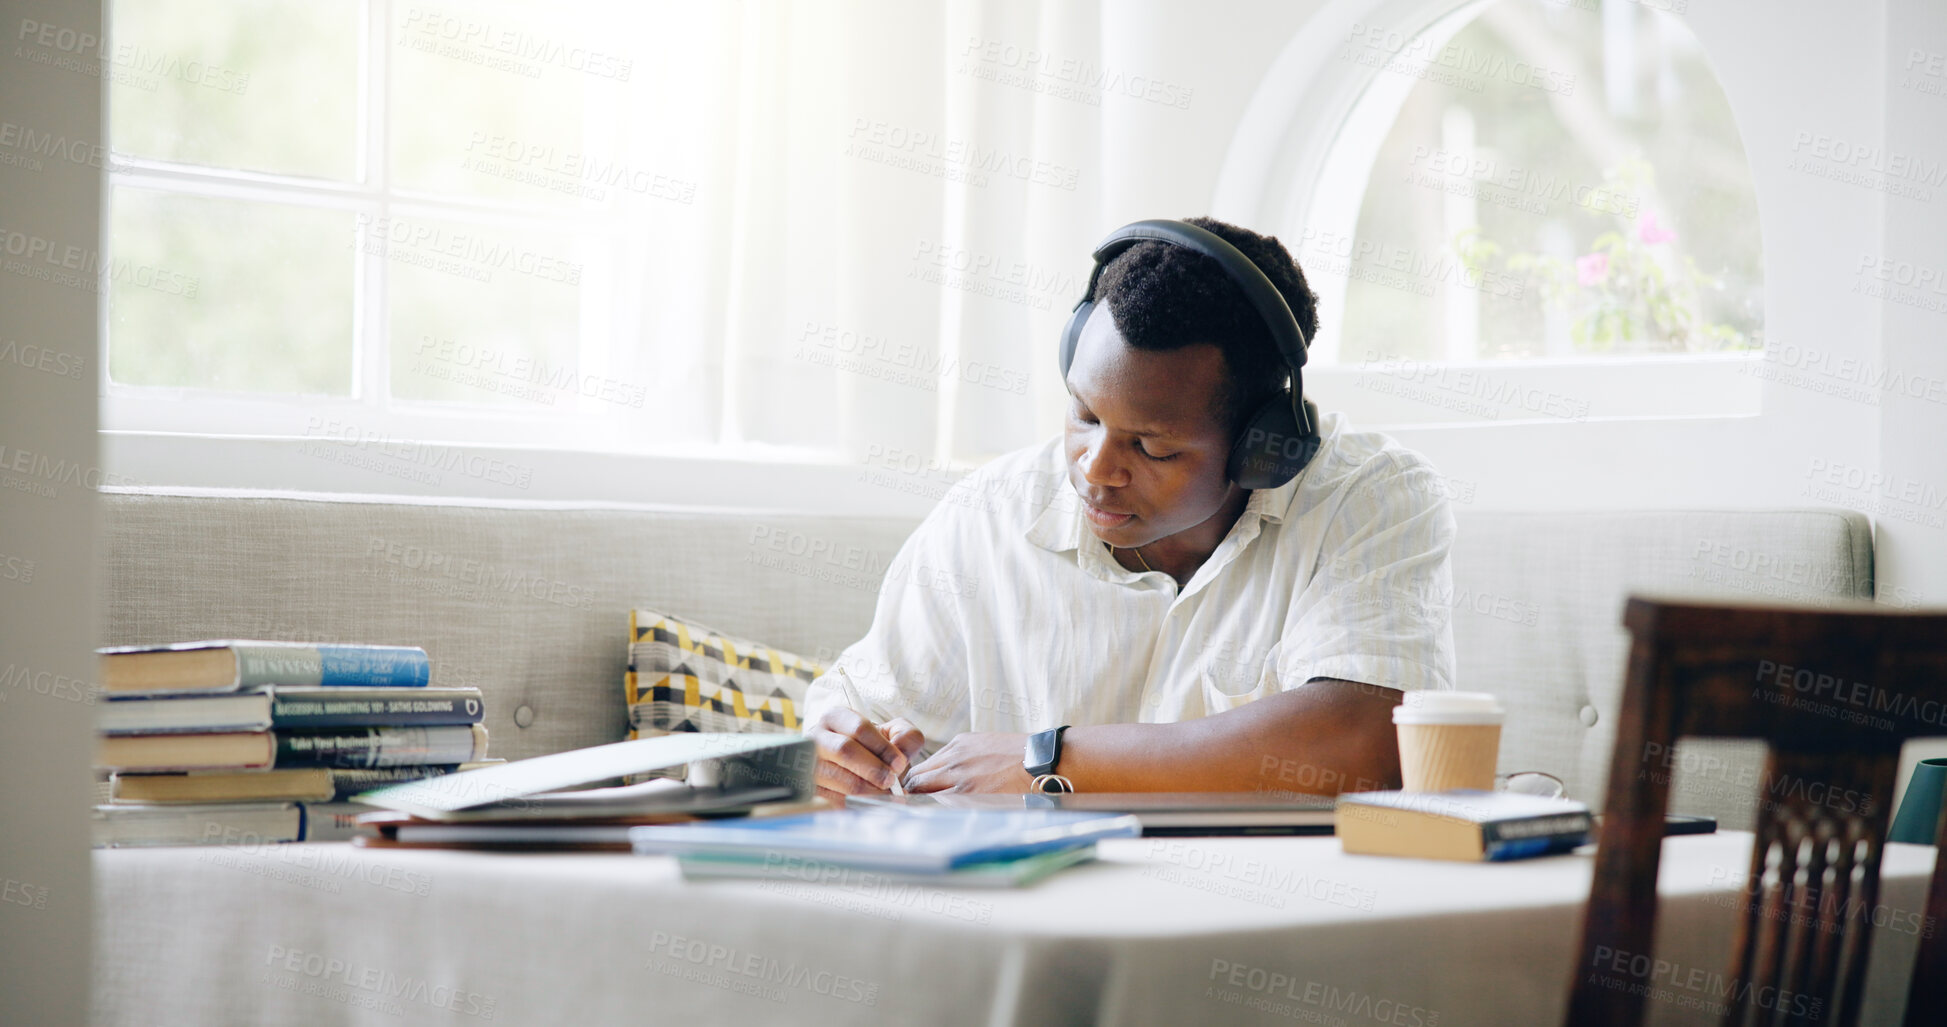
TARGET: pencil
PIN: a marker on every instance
(852, 698)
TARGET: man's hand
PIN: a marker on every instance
(858, 757)
(978, 761)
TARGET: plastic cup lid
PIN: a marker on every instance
(1449, 708)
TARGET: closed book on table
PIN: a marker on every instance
(919, 840)
(303, 707)
(230, 665)
(999, 873)
(1459, 825)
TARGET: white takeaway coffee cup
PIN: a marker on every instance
(1448, 740)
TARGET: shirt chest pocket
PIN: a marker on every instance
(1228, 684)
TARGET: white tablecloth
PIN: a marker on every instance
(1159, 931)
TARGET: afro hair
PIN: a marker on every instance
(1165, 297)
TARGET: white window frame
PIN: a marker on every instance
(370, 443)
(371, 194)
(1316, 122)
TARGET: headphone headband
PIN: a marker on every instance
(1277, 440)
(1271, 307)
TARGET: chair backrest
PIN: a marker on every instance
(1834, 693)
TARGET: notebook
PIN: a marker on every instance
(917, 840)
(995, 873)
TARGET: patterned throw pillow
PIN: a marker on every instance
(686, 677)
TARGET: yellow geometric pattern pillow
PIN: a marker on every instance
(685, 677)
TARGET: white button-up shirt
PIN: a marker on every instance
(1003, 612)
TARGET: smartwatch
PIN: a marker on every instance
(1043, 751)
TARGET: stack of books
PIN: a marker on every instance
(240, 743)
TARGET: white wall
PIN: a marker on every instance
(1912, 559)
(1874, 76)
(47, 615)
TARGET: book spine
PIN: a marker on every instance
(347, 782)
(302, 714)
(1533, 836)
(387, 666)
(362, 747)
(1526, 847)
(333, 821)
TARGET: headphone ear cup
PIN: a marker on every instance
(1272, 448)
(1073, 334)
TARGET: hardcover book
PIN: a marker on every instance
(303, 784)
(1460, 825)
(357, 747)
(290, 708)
(230, 750)
(229, 665)
(364, 747)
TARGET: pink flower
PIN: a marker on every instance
(1592, 269)
(1651, 233)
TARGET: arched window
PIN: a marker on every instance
(1523, 181)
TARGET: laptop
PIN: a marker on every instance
(1161, 813)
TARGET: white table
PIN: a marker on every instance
(1160, 931)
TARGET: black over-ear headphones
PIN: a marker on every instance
(1280, 437)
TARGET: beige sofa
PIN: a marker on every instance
(530, 603)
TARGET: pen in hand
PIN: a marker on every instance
(852, 698)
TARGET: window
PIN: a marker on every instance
(366, 220)
(778, 237)
(1525, 186)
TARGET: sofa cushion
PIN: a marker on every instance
(1538, 601)
(687, 677)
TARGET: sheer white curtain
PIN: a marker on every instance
(894, 209)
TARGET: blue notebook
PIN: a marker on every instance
(911, 841)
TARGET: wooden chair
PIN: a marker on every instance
(1834, 692)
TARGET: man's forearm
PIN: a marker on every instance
(1327, 737)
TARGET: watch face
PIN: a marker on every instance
(1041, 752)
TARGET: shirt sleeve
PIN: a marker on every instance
(912, 662)
(1378, 607)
